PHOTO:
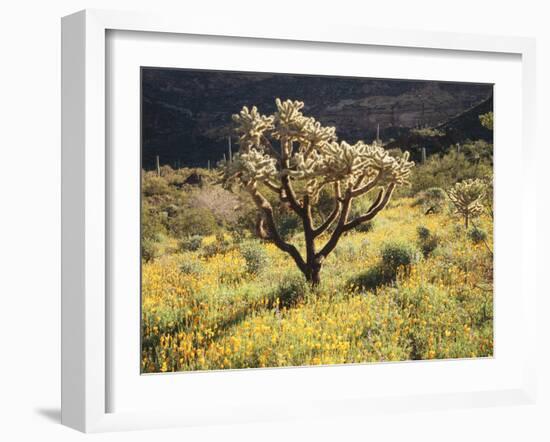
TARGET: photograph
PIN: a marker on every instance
(293, 220)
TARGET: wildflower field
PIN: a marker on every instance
(414, 283)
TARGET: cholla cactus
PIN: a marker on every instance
(296, 157)
(467, 197)
(486, 120)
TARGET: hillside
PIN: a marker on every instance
(186, 114)
(459, 129)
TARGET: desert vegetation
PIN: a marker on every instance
(302, 250)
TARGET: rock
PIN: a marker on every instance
(194, 179)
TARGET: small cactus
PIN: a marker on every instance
(486, 120)
(467, 197)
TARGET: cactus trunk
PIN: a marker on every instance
(314, 276)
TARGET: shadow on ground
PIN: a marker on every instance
(51, 414)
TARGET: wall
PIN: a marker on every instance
(30, 214)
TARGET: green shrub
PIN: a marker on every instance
(191, 244)
(221, 245)
(255, 256)
(429, 245)
(395, 255)
(288, 225)
(436, 193)
(398, 254)
(239, 235)
(153, 185)
(210, 250)
(194, 221)
(423, 232)
(477, 235)
(152, 231)
(432, 200)
(171, 210)
(366, 226)
(479, 150)
(290, 291)
(149, 249)
(444, 171)
(191, 267)
(427, 241)
(152, 223)
(373, 278)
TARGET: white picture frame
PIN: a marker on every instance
(85, 202)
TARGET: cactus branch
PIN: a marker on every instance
(379, 203)
(267, 210)
(335, 237)
(367, 187)
(291, 195)
(272, 186)
(333, 215)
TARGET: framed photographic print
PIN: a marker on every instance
(302, 248)
(248, 216)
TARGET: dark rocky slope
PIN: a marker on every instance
(186, 114)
